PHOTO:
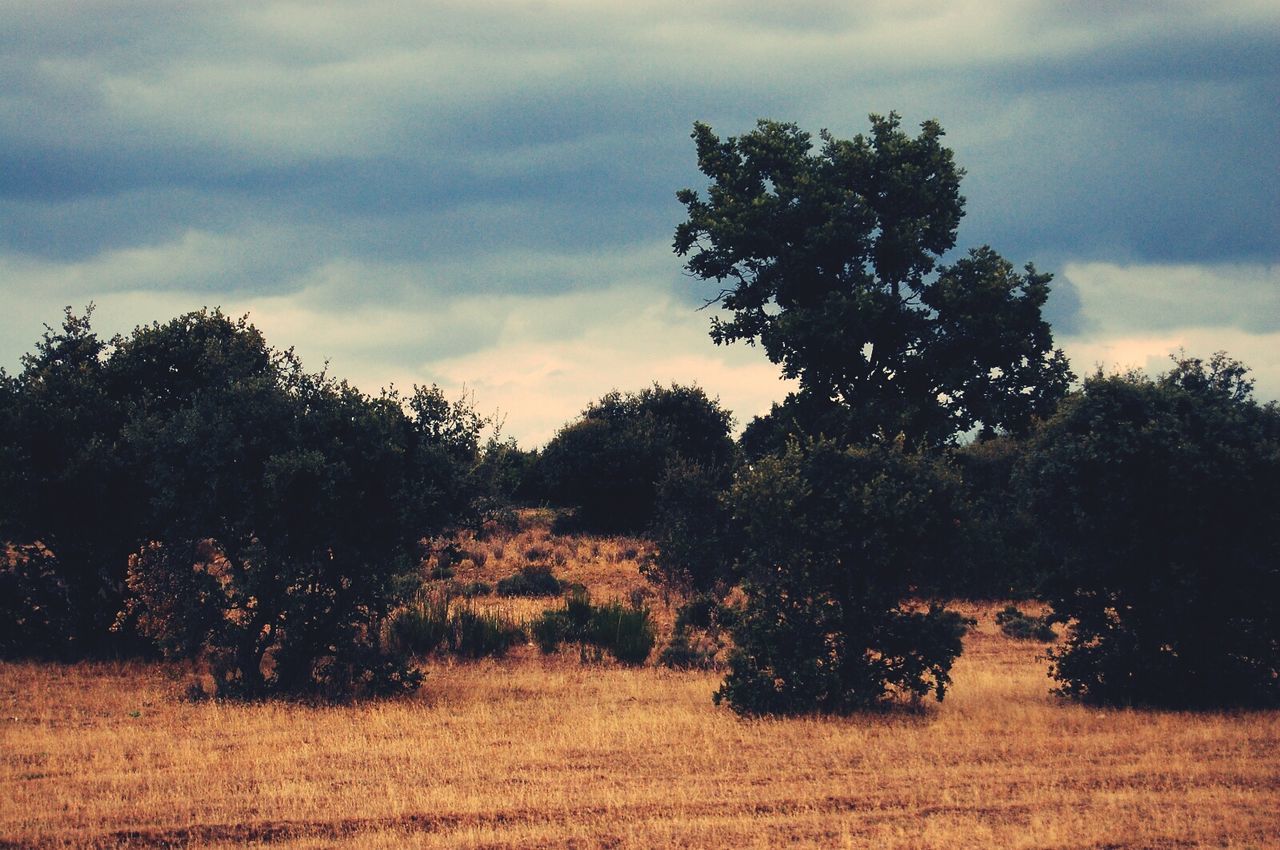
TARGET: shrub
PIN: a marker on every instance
(299, 543)
(423, 626)
(686, 652)
(691, 529)
(476, 588)
(1162, 498)
(832, 541)
(532, 580)
(1022, 626)
(626, 633)
(1001, 553)
(432, 623)
(478, 633)
(608, 463)
(34, 608)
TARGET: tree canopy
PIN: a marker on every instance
(830, 260)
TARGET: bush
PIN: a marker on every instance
(432, 623)
(66, 484)
(626, 633)
(423, 626)
(686, 652)
(479, 633)
(1022, 626)
(695, 638)
(34, 608)
(1001, 553)
(691, 529)
(608, 463)
(832, 541)
(242, 512)
(1162, 498)
(300, 543)
(533, 580)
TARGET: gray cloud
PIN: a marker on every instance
(410, 158)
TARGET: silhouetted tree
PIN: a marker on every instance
(829, 260)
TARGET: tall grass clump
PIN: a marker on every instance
(434, 623)
(624, 631)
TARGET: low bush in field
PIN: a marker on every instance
(478, 633)
(476, 588)
(433, 624)
(533, 580)
(1022, 626)
(695, 640)
(687, 651)
(625, 632)
(421, 627)
(1161, 499)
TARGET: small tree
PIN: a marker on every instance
(283, 506)
(831, 543)
(609, 463)
(1162, 498)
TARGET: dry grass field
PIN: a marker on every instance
(548, 752)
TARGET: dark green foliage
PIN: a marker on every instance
(270, 512)
(65, 483)
(422, 626)
(532, 580)
(479, 633)
(625, 632)
(829, 260)
(35, 610)
(314, 494)
(1162, 498)
(688, 651)
(1002, 553)
(608, 463)
(1021, 626)
(832, 541)
(476, 588)
(507, 475)
(691, 529)
(434, 623)
(695, 638)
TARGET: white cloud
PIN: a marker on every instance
(1117, 298)
(1135, 316)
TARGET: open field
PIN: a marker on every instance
(547, 752)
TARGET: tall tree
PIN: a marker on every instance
(830, 260)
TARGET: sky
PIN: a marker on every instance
(481, 195)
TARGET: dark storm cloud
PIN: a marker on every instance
(413, 156)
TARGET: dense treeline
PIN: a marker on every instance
(190, 490)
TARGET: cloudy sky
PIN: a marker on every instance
(481, 194)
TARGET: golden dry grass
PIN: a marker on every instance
(545, 752)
